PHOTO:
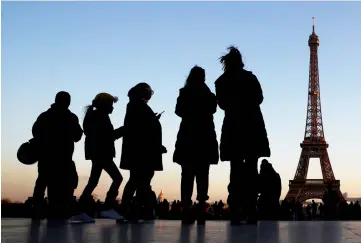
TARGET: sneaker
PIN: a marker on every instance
(82, 218)
(111, 214)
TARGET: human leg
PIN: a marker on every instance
(251, 189)
(128, 193)
(202, 178)
(93, 180)
(60, 186)
(145, 194)
(110, 205)
(117, 178)
(39, 193)
(86, 197)
(187, 184)
(235, 190)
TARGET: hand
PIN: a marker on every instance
(158, 115)
(164, 150)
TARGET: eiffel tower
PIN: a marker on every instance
(314, 144)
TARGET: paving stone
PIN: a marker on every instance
(107, 231)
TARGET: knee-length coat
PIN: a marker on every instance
(244, 134)
(196, 139)
(142, 140)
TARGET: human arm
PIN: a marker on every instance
(257, 96)
(212, 103)
(279, 186)
(221, 94)
(118, 133)
(164, 150)
(159, 115)
(77, 131)
(38, 129)
(180, 108)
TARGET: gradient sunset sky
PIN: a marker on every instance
(91, 47)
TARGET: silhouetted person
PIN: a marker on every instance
(164, 209)
(286, 210)
(142, 145)
(149, 205)
(244, 137)
(56, 130)
(331, 200)
(196, 147)
(314, 210)
(297, 211)
(321, 209)
(356, 209)
(221, 207)
(270, 192)
(308, 211)
(100, 136)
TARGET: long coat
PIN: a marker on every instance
(244, 134)
(197, 139)
(142, 141)
(100, 136)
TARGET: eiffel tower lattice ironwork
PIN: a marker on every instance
(314, 144)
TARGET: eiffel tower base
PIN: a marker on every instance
(302, 190)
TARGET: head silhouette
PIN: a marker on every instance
(141, 91)
(232, 60)
(104, 102)
(197, 75)
(62, 99)
(264, 163)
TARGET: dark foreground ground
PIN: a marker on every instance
(107, 231)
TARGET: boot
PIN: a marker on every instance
(235, 215)
(188, 216)
(252, 215)
(201, 213)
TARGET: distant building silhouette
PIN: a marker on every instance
(161, 196)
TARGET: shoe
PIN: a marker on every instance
(111, 214)
(37, 213)
(81, 218)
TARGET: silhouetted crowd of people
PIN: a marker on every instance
(243, 142)
(165, 210)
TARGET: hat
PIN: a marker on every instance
(104, 98)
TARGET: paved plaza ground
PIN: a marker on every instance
(107, 231)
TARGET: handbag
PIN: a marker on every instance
(28, 152)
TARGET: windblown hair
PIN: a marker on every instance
(88, 110)
(232, 60)
(138, 90)
(196, 76)
(100, 100)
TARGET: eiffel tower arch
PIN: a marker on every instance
(314, 144)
